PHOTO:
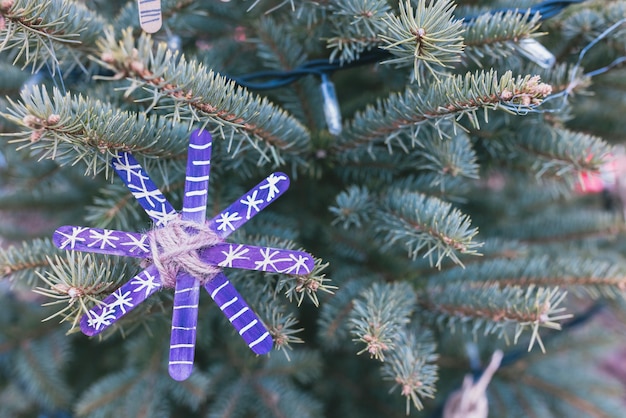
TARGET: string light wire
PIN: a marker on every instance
(268, 80)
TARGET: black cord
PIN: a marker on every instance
(267, 80)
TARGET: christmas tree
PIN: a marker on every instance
(451, 243)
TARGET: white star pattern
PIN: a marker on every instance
(233, 254)
(121, 300)
(100, 321)
(142, 192)
(127, 167)
(298, 263)
(105, 238)
(73, 237)
(148, 282)
(272, 181)
(268, 253)
(162, 216)
(137, 244)
(251, 203)
(226, 220)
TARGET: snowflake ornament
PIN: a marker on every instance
(186, 252)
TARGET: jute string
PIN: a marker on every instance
(175, 248)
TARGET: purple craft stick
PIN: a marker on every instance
(249, 204)
(132, 244)
(243, 319)
(187, 288)
(250, 257)
(141, 186)
(120, 302)
(103, 241)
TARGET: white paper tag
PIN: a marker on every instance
(150, 15)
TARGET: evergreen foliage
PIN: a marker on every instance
(447, 210)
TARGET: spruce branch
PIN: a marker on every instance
(496, 310)
(579, 275)
(48, 32)
(304, 366)
(448, 100)
(40, 371)
(195, 93)
(354, 207)
(71, 129)
(445, 157)
(564, 226)
(78, 282)
(296, 287)
(411, 366)
(23, 263)
(426, 225)
(356, 25)
(429, 38)
(557, 152)
(141, 376)
(280, 323)
(333, 325)
(378, 315)
(497, 35)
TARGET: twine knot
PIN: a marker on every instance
(176, 246)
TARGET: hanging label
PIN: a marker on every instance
(150, 15)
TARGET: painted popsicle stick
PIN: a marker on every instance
(102, 241)
(142, 187)
(187, 288)
(150, 17)
(251, 203)
(131, 244)
(184, 323)
(243, 319)
(120, 302)
(250, 257)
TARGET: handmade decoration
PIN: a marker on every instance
(186, 252)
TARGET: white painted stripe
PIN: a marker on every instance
(181, 362)
(189, 289)
(186, 307)
(258, 340)
(200, 146)
(201, 178)
(238, 314)
(182, 346)
(184, 328)
(195, 209)
(247, 327)
(230, 302)
(216, 291)
(201, 162)
(196, 193)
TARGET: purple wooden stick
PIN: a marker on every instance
(249, 204)
(102, 241)
(251, 257)
(243, 319)
(120, 302)
(141, 186)
(187, 290)
(132, 244)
